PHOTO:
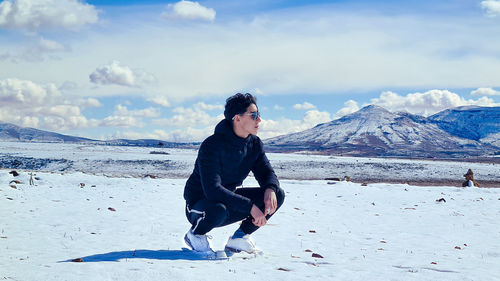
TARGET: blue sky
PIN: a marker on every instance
(163, 69)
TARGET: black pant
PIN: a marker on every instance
(205, 215)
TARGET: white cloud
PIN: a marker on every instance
(343, 50)
(38, 51)
(121, 121)
(48, 45)
(203, 106)
(188, 134)
(492, 7)
(89, 102)
(115, 73)
(160, 100)
(271, 128)
(189, 117)
(485, 92)
(149, 112)
(180, 135)
(427, 103)
(63, 110)
(277, 107)
(350, 106)
(34, 15)
(304, 106)
(26, 103)
(188, 10)
(19, 93)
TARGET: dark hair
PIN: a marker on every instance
(238, 104)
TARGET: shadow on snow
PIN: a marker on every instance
(184, 254)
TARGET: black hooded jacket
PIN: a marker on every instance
(224, 161)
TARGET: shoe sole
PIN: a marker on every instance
(233, 250)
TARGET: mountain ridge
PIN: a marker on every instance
(375, 131)
(11, 132)
(371, 131)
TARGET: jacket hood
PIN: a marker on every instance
(225, 128)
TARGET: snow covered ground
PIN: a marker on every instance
(124, 161)
(131, 227)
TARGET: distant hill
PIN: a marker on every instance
(375, 131)
(471, 122)
(10, 132)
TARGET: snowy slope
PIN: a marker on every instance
(375, 131)
(471, 122)
(377, 232)
(10, 132)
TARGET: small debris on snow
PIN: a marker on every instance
(364, 184)
(312, 231)
(433, 262)
(112, 209)
(13, 186)
(77, 260)
(14, 181)
(441, 200)
(314, 255)
(14, 173)
(82, 185)
(284, 269)
(308, 251)
(458, 248)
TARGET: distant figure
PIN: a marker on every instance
(224, 160)
(469, 180)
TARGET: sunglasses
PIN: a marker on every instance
(255, 115)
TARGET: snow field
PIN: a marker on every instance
(374, 232)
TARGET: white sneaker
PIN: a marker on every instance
(237, 245)
(198, 243)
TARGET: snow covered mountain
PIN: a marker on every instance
(10, 132)
(374, 131)
(471, 122)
